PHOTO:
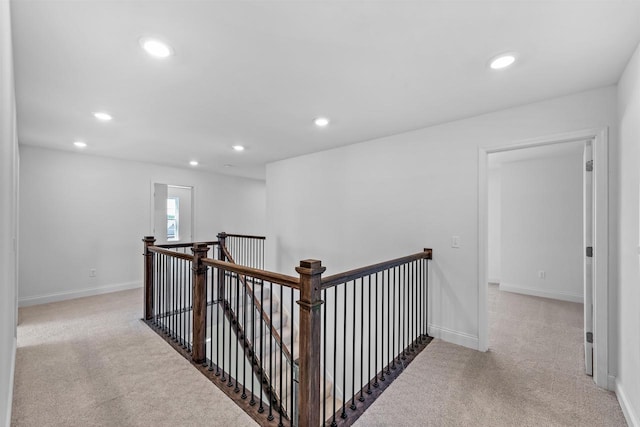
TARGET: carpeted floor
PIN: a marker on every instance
(533, 375)
(92, 362)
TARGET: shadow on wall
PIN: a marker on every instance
(442, 296)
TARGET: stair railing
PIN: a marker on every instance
(364, 325)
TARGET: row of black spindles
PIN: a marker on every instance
(237, 310)
(387, 325)
(247, 251)
(172, 298)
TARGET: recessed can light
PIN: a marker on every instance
(502, 61)
(80, 144)
(321, 121)
(156, 48)
(238, 147)
(102, 116)
(193, 163)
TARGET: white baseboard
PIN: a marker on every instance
(12, 372)
(61, 296)
(563, 296)
(628, 410)
(454, 337)
(494, 280)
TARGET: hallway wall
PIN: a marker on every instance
(628, 165)
(82, 212)
(393, 196)
(8, 216)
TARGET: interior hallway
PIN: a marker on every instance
(92, 362)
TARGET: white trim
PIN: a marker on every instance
(454, 337)
(627, 408)
(494, 280)
(12, 372)
(563, 296)
(61, 296)
(612, 383)
(599, 136)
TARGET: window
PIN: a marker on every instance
(173, 210)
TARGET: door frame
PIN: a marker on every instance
(600, 144)
(152, 206)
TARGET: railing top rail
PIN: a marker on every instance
(336, 279)
(160, 250)
(277, 278)
(247, 236)
(186, 245)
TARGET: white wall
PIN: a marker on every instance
(80, 212)
(494, 229)
(542, 226)
(628, 381)
(8, 216)
(396, 195)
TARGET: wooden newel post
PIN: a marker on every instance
(222, 243)
(148, 277)
(199, 282)
(310, 324)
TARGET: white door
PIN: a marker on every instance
(588, 259)
(160, 213)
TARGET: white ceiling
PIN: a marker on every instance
(257, 73)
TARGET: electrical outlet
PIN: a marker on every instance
(542, 274)
(92, 272)
(455, 241)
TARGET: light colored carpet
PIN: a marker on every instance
(92, 362)
(533, 375)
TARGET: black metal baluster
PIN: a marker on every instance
(393, 317)
(252, 402)
(270, 417)
(389, 355)
(410, 318)
(244, 345)
(369, 338)
(382, 329)
(426, 297)
(375, 348)
(237, 320)
(361, 398)
(335, 351)
(224, 303)
(404, 309)
(324, 357)
(353, 352)
(293, 358)
(261, 408)
(281, 353)
(344, 354)
(174, 269)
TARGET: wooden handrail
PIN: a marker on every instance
(159, 250)
(265, 317)
(347, 276)
(187, 245)
(277, 278)
(246, 236)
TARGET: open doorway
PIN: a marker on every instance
(536, 260)
(526, 242)
(172, 218)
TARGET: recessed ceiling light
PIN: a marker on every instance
(321, 121)
(502, 61)
(238, 147)
(193, 163)
(228, 165)
(80, 144)
(102, 116)
(155, 47)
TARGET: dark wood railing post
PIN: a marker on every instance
(222, 242)
(199, 281)
(148, 277)
(310, 324)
